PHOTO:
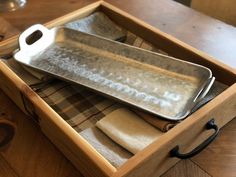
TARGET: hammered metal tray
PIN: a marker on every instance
(99, 24)
(159, 84)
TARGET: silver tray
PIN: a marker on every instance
(159, 84)
(99, 24)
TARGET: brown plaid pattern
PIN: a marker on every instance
(80, 107)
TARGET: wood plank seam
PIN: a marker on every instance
(200, 167)
(9, 167)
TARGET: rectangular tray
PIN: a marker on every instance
(160, 84)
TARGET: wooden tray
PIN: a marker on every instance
(154, 159)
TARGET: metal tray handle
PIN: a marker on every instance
(205, 90)
(38, 44)
(210, 125)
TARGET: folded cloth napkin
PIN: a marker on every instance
(114, 153)
(161, 124)
(128, 130)
(39, 75)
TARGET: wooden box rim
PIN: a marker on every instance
(143, 156)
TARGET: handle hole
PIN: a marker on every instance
(3, 134)
(7, 132)
(1, 37)
(35, 36)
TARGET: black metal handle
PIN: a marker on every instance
(210, 125)
(9, 133)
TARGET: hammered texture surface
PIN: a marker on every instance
(157, 83)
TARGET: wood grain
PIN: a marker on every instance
(215, 38)
(65, 137)
(185, 168)
(5, 169)
(30, 153)
(198, 30)
(169, 44)
(11, 44)
(4, 30)
(224, 10)
(7, 131)
(35, 11)
(219, 159)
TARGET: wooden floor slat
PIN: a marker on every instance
(185, 168)
(219, 159)
(5, 169)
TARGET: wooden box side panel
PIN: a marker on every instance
(155, 159)
(10, 88)
(74, 147)
(80, 153)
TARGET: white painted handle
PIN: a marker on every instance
(204, 92)
(39, 43)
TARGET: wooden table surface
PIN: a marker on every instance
(202, 32)
(32, 154)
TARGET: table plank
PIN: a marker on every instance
(196, 29)
(220, 9)
(219, 159)
(185, 168)
(42, 11)
(5, 169)
(4, 30)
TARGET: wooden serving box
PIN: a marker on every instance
(154, 159)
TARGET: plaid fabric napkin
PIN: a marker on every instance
(128, 130)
